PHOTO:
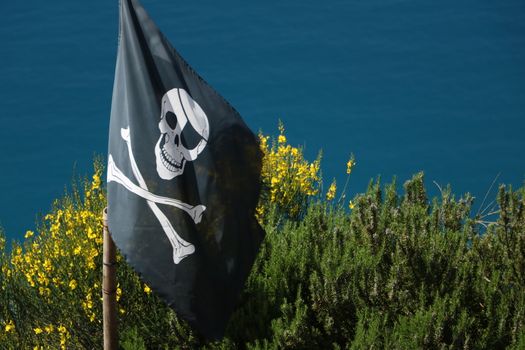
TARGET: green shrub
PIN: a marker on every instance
(396, 272)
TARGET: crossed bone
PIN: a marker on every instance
(181, 248)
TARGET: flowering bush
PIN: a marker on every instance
(51, 283)
(395, 271)
(288, 180)
(55, 273)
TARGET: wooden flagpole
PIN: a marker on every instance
(109, 288)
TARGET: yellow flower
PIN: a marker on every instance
(122, 311)
(6, 271)
(96, 182)
(351, 163)
(38, 330)
(119, 293)
(147, 289)
(331, 191)
(259, 212)
(9, 326)
(48, 266)
(29, 278)
(29, 234)
(287, 176)
(91, 234)
(73, 284)
(263, 142)
(77, 250)
(351, 205)
(88, 303)
(44, 291)
(49, 329)
(64, 335)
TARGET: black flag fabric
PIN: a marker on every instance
(183, 178)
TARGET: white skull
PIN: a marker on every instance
(177, 109)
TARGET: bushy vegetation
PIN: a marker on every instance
(385, 270)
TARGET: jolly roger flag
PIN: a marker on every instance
(183, 178)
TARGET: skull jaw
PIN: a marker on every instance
(161, 164)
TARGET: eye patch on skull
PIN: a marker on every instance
(189, 137)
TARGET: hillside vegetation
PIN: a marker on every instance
(384, 270)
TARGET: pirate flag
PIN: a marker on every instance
(183, 178)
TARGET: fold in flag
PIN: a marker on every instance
(183, 178)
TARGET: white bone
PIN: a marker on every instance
(181, 248)
(114, 174)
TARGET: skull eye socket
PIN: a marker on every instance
(171, 119)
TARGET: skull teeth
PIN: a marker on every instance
(168, 161)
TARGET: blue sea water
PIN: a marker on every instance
(405, 85)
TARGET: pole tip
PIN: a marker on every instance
(105, 216)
